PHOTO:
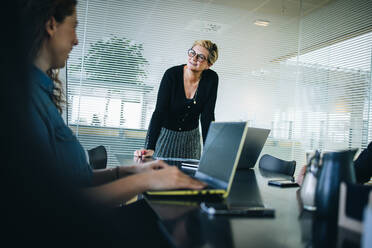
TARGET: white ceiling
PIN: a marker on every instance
(170, 26)
(289, 8)
(261, 44)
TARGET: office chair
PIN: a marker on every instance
(275, 165)
(98, 157)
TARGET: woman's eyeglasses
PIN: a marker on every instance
(199, 57)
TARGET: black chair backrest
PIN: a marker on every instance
(98, 157)
(276, 165)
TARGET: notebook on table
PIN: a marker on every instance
(219, 160)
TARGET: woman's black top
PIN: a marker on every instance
(175, 112)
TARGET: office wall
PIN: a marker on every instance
(261, 78)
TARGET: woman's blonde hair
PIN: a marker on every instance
(211, 47)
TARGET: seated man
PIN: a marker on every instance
(363, 165)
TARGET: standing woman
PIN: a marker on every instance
(187, 92)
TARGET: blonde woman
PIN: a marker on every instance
(186, 94)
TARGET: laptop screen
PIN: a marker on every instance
(221, 149)
(253, 144)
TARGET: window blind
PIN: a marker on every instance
(333, 89)
(306, 76)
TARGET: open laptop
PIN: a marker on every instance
(253, 144)
(252, 147)
(219, 160)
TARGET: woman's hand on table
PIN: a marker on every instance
(301, 175)
(143, 153)
(142, 160)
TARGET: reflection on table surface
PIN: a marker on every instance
(223, 231)
(189, 226)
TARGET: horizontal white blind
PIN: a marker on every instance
(109, 92)
(320, 100)
(333, 95)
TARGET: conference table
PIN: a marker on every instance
(291, 226)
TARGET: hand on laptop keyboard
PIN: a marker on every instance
(170, 177)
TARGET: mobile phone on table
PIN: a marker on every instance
(235, 210)
(284, 183)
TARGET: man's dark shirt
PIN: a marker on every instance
(363, 165)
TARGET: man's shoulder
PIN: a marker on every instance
(370, 146)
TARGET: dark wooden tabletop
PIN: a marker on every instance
(189, 226)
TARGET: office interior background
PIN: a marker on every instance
(300, 68)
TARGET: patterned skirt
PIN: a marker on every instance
(175, 144)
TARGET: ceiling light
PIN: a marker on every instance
(261, 23)
(206, 27)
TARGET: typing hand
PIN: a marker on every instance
(170, 177)
(153, 165)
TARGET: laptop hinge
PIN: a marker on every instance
(214, 182)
